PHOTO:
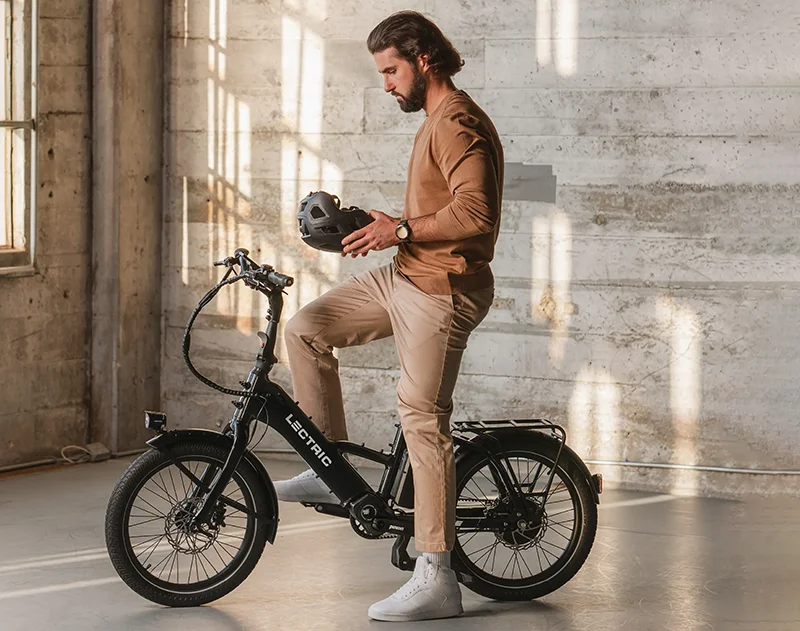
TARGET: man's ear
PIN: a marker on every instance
(422, 63)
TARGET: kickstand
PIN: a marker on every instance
(400, 558)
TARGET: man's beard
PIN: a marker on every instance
(415, 100)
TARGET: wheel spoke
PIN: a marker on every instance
(530, 572)
(151, 506)
(550, 515)
(163, 487)
(516, 564)
(554, 490)
(191, 565)
(172, 479)
(142, 508)
(147, 521)
(152, 537)
(224, 562)
(566, 499)
(222, 543)
(488, 552)
(474, 534)
(536, 476)
(553, 530)
(152, 549)
(544, 541)
(507, 564)
(155, 567)
(203, 556)
(158, 495)
(174, 559)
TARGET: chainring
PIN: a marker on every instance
(361, 531)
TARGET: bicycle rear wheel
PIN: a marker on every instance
(525, 560)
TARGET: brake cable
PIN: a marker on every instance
(187, 336)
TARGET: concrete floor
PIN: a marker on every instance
(659, 562)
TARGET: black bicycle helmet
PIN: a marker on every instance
(323, 224)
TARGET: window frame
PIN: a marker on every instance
(19, 128)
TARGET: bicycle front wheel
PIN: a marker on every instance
(148, 537)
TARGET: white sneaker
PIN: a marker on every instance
(432, 592)
(306, 487)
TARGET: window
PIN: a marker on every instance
(18, 134)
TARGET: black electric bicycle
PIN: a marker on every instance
(189, 519)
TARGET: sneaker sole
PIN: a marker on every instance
(417, 617)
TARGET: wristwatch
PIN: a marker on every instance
(403, 231)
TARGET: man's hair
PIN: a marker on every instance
(412, 34)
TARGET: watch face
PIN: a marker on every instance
(402, 231)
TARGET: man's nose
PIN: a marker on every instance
(388, 86)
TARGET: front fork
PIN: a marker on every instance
(216, 483)
(246, 408)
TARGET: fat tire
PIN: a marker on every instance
(116, 532)
(567, 468)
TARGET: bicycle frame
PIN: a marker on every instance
(379, 512)
(268, 402)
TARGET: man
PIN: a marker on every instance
(437, 289)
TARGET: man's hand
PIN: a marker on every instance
(378, 235)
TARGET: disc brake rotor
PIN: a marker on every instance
(524, 534)
(182, 536)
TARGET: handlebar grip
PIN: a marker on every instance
(280, 279)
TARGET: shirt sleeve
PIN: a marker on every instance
(465, 160)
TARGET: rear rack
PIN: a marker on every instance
(533, 424)
(539, 424)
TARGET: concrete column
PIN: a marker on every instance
(128, 105)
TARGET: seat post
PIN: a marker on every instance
(394, 472)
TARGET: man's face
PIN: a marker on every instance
(403, 79)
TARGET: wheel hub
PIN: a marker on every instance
(522, 532)
(186, 536)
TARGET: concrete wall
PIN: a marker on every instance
(81, 338)
(127, 201)
(44, 319)
(652, 308)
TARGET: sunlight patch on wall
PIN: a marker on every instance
(682, 325)
(594, 415)
(557, 35)
(551, 273)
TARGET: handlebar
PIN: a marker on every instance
(255, 275)
(276, 278)
(262, 278)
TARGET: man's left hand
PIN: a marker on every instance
(378, 235)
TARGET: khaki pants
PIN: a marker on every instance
(431, 334)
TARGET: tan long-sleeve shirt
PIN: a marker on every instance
(456, 172)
